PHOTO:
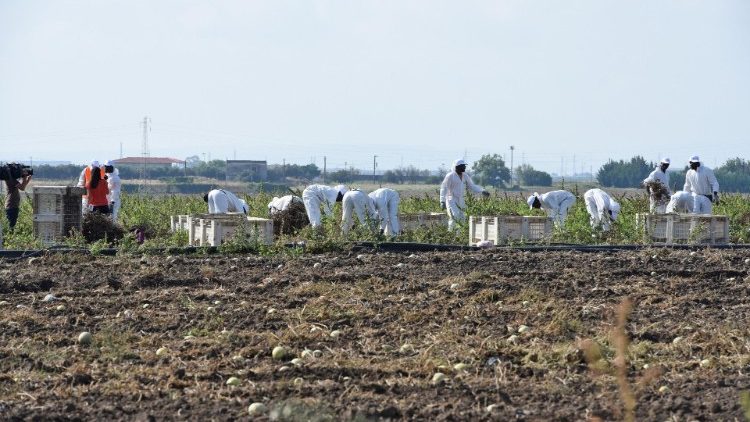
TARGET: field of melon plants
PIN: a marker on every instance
(341, 331)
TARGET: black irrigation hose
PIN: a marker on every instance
(13, 255)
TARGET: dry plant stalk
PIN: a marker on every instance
(657, 190)
(621, 342)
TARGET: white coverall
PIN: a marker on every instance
(702, 184)
(356, 202)
(601, 208)
(662, 177)
(222, 201)
(556, 204)
(386, 204)
(315, 196)
(452, 194)
(114, 184)
(282, 204)
(680, 202)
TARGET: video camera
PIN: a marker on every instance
(15, 171)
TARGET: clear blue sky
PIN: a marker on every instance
(414, 82)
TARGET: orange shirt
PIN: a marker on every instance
(98, 196)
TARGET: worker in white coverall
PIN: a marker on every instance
(701, 182)
(316, 196)
(83, 179)
(452, 193)
(602, 209)
(115, 184)
(680, 202)
(359, 203)
(657, 205)
(222, 201)
(556, 204)
(386, 204)
(282, 204)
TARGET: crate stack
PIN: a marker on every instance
(216, 229)
(684, 228)
(509, 228)
(56, 211)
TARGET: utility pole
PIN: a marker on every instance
(324, 168)
(283, 168)
(144, 153)
(511, 165)
(374, 166)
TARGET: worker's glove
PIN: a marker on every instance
(485, 194)
(716, 198)
(442, 205)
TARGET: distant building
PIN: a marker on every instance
(151, 162)
(247, 170)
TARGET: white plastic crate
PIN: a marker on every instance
(685, 228)
(508, 228)
(56, 211)
(179, 222)
(422, 220)
(215, 229)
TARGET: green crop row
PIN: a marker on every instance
(152, 215)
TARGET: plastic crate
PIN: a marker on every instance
(56, 211)
(684, 228)
(179, 222)
(505, 229)
(422, 220)
(216, 229)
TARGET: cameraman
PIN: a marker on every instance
(13, 198)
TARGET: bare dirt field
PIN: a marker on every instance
(517, 336)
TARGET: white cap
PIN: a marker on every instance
(342, 189)
(530, 200)
(94, 163)
(459, 162)
(666, 160)
(109, 163)
(695, 159)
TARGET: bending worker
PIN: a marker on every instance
(452, 193)
(83, 179)
(555, 203)
(356, 202)
(701, 182)
(222, 201)
(680, 202)
(658, 197)
(602, 209)
(282, 204)
(315, 196)
(386, 204)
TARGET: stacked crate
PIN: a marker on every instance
(509, 228)
(178, 222)
(216, 229)
(422, 220)
(56, 211)
(685, 228)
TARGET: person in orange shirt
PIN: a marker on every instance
(97, 191)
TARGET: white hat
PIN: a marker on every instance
(109, 163)
(531, 199)
(342, 189)
(94, 163)
(695, 159)
(666, 160)
(459, 162)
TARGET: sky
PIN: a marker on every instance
(569, 84)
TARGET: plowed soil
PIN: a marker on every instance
(536, 333)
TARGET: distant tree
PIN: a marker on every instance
(624, 174)
(734, 175)
(528, 176)
(491, 170)
(278, 172)
(344, 175)
(192, 161)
